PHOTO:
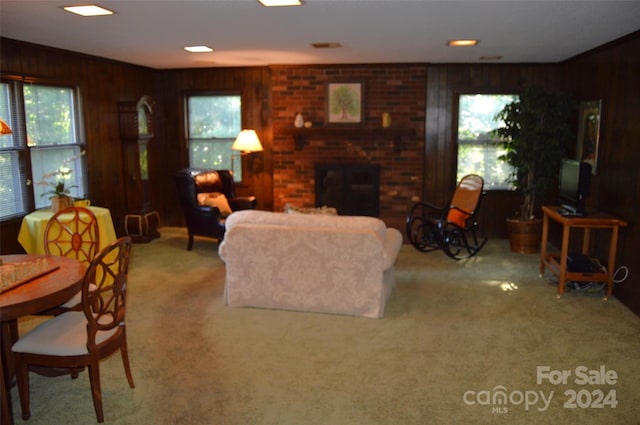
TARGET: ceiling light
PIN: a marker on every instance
(272, 3)
(89, 10)
(459, 43)
(198, 49)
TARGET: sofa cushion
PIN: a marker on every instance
(309, 220)
(292, 209)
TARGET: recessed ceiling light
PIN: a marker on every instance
(272, 3)
(88, 10)
(326, 45)
(462, 43)
(198, 49)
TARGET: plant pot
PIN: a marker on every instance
(524, 235)
(61, 202)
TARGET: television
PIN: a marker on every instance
(574, 186)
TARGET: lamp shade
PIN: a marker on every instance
(4, 128)
(247, 141)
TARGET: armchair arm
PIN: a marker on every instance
(207, 211)
(243, 203)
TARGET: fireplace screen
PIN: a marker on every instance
(352, 189)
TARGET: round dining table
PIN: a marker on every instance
(41, 293)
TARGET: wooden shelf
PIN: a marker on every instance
(552, 261)
(300, 135)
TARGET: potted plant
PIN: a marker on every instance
(60, 194)
(534, 134)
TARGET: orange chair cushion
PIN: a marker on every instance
(215, 200)
(457, 217)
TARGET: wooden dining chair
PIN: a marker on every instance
(72, 232)
(79, 339)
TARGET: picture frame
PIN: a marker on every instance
(345, 103)
(589, 133)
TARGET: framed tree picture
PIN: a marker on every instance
(345, 103)
(589, 133)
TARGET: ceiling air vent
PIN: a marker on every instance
(326, 45)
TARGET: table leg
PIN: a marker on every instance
(563, 258)
(611, 265)
(6, 417)
(586, 241)
(543, 245)
(9, 332)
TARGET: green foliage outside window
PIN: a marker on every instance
(214, 122)
(48, 113)
(478, 149)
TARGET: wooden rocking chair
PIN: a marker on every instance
(452, 228)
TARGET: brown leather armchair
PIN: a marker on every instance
(196, 187)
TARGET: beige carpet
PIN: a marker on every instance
(454, 335)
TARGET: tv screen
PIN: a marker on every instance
(575, 182)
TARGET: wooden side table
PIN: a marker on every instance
(557, 262)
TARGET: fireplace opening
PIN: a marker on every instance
(352, 189)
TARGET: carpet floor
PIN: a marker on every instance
(480, 341)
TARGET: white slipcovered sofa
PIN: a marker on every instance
(308, 262)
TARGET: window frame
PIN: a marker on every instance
(489, 184)
(236, 161)
(23, 177)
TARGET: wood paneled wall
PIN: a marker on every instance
(444, 84)
(253, 84)
(102, 83)
(611, 73)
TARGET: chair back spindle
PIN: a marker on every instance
(72, 232)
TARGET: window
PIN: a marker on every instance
(13, 181)
(478, 149)
(45, 141)
(213, 122)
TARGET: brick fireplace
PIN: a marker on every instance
(397, 90)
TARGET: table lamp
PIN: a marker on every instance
(247, 142)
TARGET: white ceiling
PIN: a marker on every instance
(244, 33)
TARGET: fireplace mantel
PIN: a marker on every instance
(396, 134)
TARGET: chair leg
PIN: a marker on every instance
(190, 243)
(124, 352)
(96, 391)
(75, 372)
(22, 379)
